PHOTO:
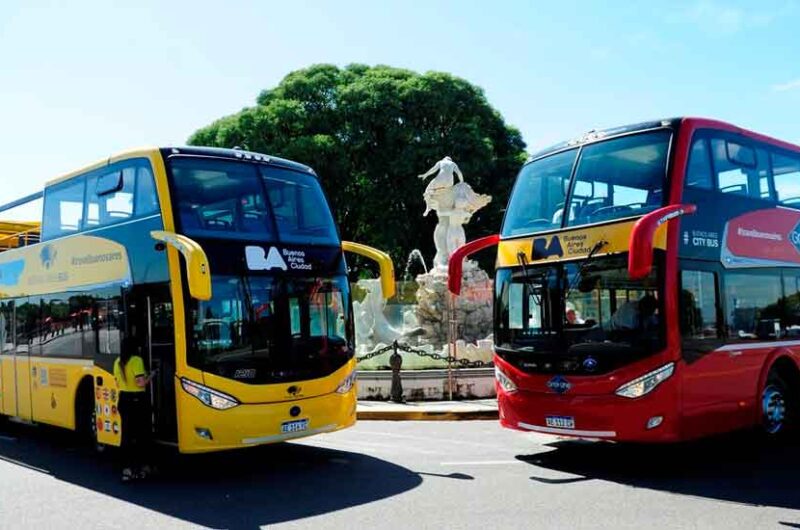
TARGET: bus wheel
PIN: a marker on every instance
(97, 445)
(86, 413)
(775, 405)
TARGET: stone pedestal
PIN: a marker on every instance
(473, 308)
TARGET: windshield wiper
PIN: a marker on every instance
(522, 259)
(578, 275)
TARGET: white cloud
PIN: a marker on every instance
(721, 18)
(785, 87)
(717, 17)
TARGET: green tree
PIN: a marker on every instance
(368, 132)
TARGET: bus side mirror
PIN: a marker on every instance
(198, 271)
(456, 264)
(383, 260)
(640, 257)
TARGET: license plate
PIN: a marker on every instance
(294, 426)
(561, 422)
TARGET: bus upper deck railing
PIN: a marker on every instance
(16, 234)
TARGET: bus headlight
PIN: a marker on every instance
(505, 382)
(348, 382)
(645, 384)
(212, 398)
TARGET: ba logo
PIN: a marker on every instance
(794, 237)
(559, 385)
(543, 250)
(48, 256)
(293, 390)
(258, 261)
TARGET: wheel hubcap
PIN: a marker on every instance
(773, 409)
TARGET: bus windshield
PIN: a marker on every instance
(240, 200)
(552, 318)
(267, 329)
(603, 181)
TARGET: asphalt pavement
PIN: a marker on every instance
(467, 474)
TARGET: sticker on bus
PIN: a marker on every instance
(294, 426)
(561, 422)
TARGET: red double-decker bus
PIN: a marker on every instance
(648, 285)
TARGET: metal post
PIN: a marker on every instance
(150, 362)
(451, 345)
(396, 363)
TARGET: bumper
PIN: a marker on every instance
(608, 417)
(249, 425)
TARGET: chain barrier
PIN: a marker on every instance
(449, 359)
(370, 355)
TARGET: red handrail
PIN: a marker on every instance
(456, 265)
(640, 257)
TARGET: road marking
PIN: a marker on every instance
(484, 463)
(349, 445)
(23, 464)
(8, 438)
(428, 439)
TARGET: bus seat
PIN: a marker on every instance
(189, 218)
(590, 206)
(253, 221)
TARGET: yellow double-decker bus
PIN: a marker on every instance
(224, 265)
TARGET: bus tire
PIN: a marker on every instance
(778, 403)
(85, 412)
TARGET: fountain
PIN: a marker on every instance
(431, 321)
(411, 255)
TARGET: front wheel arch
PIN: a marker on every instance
(779, 397)
(85, 407)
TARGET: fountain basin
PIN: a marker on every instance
(432, 385)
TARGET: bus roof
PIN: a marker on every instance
(597, 135)
(215, 152)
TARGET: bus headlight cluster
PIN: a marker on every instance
(645, 384)
(505, 382)
(348, 382)
(212, 398)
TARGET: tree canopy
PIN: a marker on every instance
(368, 132)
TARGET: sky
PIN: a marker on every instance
(82, 80)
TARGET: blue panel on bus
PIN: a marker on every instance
(11, 271)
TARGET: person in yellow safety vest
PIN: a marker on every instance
(134, 408)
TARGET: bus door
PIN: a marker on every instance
(8, 381)
(27, 320)
(154, 327)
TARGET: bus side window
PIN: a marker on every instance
(731, 177)
(791, 303)
(108, 325)
(786, 172)
(57, 337)
(28, 313)
(698, 173)
(7, 327)
(753, 306)
(104, 209)
(699, 303)
(63, 208)
(146, 199)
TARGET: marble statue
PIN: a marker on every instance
(427, 324)
(371, 324)
(443, 181)
(454, 205)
